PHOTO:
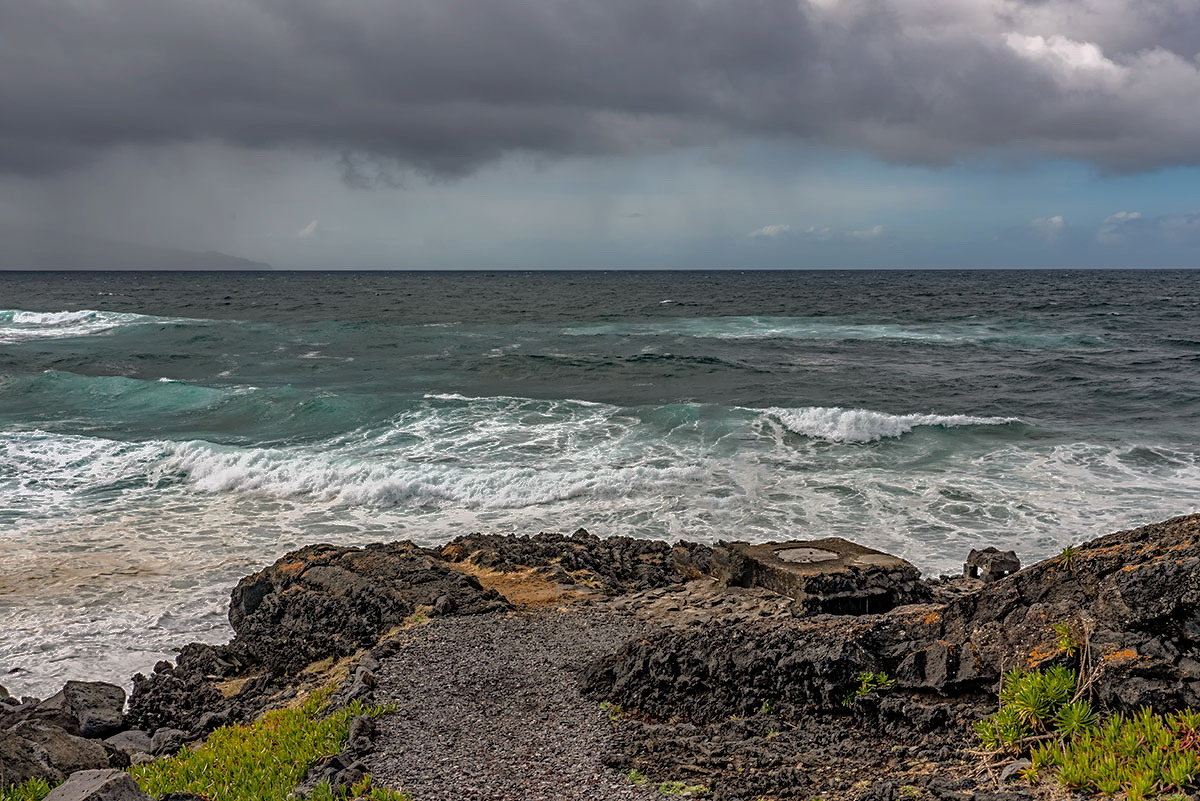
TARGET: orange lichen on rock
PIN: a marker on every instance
(1121, 657)
(1039, 655)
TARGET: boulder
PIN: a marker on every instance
(65, 752)
(829, 576)
(22, 760)
(714, 672)
(990, 564)
(98, 785)
(176, 698)
(97, 707)
(132, 741)
(324, 601)
(167, 741)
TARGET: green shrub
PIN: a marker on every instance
(868, 683)
(32, 790)
(1142, 756)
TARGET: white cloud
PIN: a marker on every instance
(1048, 228)
(1112, 230)
(1070, 62)
(770, 231)
(308, 231)
(874, 232)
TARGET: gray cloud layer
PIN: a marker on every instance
(446, 85)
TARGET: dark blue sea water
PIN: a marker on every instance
(163, 434)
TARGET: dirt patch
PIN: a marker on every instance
(526, 588)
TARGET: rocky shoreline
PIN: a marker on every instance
(575, 667)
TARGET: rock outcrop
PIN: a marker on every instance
(316, 603)
(1131, 600)
(612, 565)
(326, 601)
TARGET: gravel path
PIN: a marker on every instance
(489, 709)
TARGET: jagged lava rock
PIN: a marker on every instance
(318, 602)
(1133, 595)
(613, 564)
(713, 672)
(830, 575)
(324, 600)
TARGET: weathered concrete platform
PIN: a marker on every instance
(830, 576)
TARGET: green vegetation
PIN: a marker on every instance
(1065, 638)
(1029, 705)
(1067, 555)
(635, 776)
(868, 683)
(1141, 756)
(33, 790)
(682, 788)
(263, 761)
(614, 711)
(765, 708)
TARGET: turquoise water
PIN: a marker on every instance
(162, 435)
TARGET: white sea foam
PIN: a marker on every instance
(836, 424)
(123, 528)
(831, 328)
(17, 325)
(381, 483)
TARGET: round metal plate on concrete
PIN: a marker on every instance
(805, 555)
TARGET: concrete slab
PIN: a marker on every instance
(830, 576)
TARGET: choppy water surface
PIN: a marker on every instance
(161, 435)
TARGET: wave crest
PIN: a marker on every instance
(835, 424)
(385, 483)
(17, 325)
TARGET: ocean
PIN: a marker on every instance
(164, 434)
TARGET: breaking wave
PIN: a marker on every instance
(17, 325)
(835, 424)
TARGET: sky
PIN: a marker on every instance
(619, 134)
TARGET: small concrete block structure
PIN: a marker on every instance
(830, 576)
(98, 785)
(990, 564)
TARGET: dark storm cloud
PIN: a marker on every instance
(446, 85)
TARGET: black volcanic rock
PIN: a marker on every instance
(612, 564)
(324, 600)
(1132, 598)
(96, 706)
(318, 602)
(713, 672)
